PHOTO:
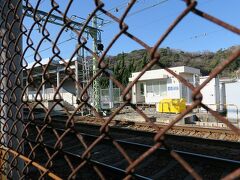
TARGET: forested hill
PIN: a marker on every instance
(125, 63)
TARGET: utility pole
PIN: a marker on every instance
(96, 86)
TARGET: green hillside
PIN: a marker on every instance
(125, 63)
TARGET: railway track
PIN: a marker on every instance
(210, 158)
(183, 130)
(224, 134)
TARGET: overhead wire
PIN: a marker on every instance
(163, 1)
(62, 42)
(196, 36)
(149, 7)
(146, 8)
(193, 36)
(116, 8)
(119, 6)
(141, 10)
(166, 16)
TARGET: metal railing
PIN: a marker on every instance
(26, 147)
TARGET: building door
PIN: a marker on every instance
(141, 92)
(186, 93)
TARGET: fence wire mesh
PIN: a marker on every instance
(33, 142)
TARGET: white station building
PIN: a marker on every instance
(155, 85)
(232, 87)
(56, 71)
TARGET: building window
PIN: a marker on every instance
(163, 88)
(157, 87)
(186, 93)
(142, 89)
(149, 87)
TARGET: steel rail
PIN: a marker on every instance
(140, 145)
(117, 170)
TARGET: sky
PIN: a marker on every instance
(147, 20)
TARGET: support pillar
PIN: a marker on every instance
(134, 94)
(12, 84)
(58, 77)
(43, 88)
(77, 79)
(111, 100)
(58, 83)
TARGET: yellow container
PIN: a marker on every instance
(171, 105)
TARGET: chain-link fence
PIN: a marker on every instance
(35, 138)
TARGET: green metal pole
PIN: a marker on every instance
(96, 86)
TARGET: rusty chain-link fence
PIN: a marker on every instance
(25, 131)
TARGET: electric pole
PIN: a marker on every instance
(96, 86)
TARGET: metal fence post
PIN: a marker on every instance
(12, 82)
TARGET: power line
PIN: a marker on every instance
(192, 37)
(196, 36)
(119, 6)
(146, 8)
(141, 10)
(62, 42)
(163, 17)
(149, 7)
